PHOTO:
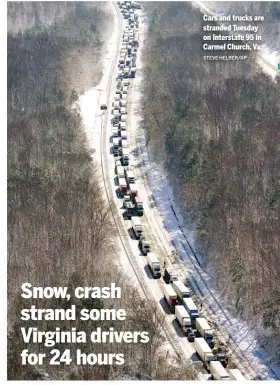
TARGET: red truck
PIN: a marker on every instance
(122, 186)
(170, 297)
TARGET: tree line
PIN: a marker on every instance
(60, 231)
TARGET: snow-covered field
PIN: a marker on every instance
(162, 220)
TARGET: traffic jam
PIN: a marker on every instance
(177, 295)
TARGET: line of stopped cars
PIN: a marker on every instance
(177, 295)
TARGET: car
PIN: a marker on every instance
(191, 336)
(103, 107)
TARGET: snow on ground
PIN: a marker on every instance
(159, 193)
(160, 222)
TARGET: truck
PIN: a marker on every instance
(133, 191)
(122, 187)
(181, 290)
(116, 105)
(204, 351)
(132, 72)
(123, 111)
(125, 156)
(144, 245)
(123, 134)
(123, 118)
(117, 163)
(116, 146)
(122, 125)
(125, 89)
(235, 374)
(217, 371)
(123, 102)
(138, 202)
(169, 275)
(120, 171)
(191, 309)
(115, 132)
(205, 331)
(129, 174)
(153, 264)
(170, 297)
(183, 318)
(137, 227)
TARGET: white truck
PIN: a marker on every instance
(125, 156)
(122, 125)
(183, 318)
(204, 351)
(153, 263)
(191, 309)
(124, 143)
(120, 172)
(116, 146)
(170, 297)
(235, 374)
(181, 290)
(205, 331)
(129, 174)
(115, 132)
(217, 371)
(123, 118)
(124, 135)
(137, 227)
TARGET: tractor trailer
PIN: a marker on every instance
(183, 318)
(137, 227)
(218, 372)
(191, 309)
(181, 290)
(170, 296)
(203, 350)
(205, 331)
(235, 374)
(153, 263)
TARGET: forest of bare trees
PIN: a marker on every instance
(59, 226)
(216, 125)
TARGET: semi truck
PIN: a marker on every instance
(134, 190)
(170, 297)
(129, 174)
(120, 171)
(137, 227)
(153, 264)
(115, 146)
(115, 132)
(125, 156)
(144, 245)
(235, 374)
(181, 290)
(204, 351)
(183, 318)
(122, 186)
(139, 206)
(205, 331)
(170, 275)
(191, 309)
(217, 371)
